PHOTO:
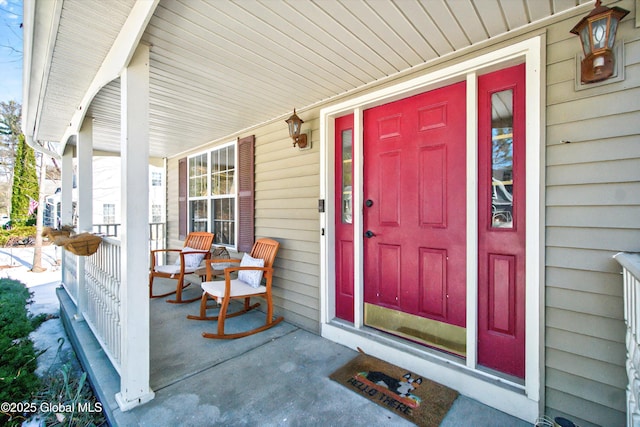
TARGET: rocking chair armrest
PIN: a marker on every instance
(225, 260)
(155, 251)
(232, 269)
(208, 264)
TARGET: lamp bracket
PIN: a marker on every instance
(618, 68)
(307, 135)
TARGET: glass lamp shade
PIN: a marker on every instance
(295, 123)
(598, 29)
(597, 32)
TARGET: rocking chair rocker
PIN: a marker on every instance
(247, 285)
(197, 246)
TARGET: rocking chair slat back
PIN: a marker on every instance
(200, 240)
(265, 249)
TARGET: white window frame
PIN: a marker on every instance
(156, 179)
(112, 211)
(497, 391)
(156, 212)
(209, 197)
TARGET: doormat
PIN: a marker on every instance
(417, 399)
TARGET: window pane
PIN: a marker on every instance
(198, 209)
(502, 159)
(156, 179)
(109, 213)
(198, 176)
(156, 213)
(347, 186)
(223, 171)
(223, 220)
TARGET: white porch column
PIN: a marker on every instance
(66, 206)
(134, 147)
(66, 188)
(85, 203)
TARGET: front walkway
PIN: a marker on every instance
(278, 377)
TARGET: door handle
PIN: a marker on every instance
(369, 234)
(369, 203)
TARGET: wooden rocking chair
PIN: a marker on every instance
(241, 288)
(197, 246)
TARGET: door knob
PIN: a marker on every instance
(369, 203)
(369, 234)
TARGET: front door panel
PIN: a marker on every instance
(501, 221)
(344, 217)
(415, 240)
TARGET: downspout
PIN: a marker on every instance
(37, 147)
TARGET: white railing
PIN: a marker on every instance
(97, 297)
(156, 233)
(102, 278)
(70, 274)
(631, 281)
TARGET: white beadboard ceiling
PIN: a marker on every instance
(220, 66)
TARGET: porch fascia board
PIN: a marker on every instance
(116, 60)
(46, 15)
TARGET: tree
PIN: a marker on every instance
(25, 182)
(10, 113)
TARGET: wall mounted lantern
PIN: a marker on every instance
(295, 124)
(597, 32)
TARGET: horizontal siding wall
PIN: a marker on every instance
(593, 212)
(172, 204)
(286, 209)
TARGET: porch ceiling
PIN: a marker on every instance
(218, 67)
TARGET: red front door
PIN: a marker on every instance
(501, 220)
(415, 207)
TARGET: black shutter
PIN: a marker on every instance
(182, 198)
(245, 193)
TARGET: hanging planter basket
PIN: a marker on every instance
(53, 233)
(83, 244)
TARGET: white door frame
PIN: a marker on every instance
(521, 400)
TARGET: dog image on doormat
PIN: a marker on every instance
(401, 387)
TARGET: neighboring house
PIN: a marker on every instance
(106, 196)
(461, 180)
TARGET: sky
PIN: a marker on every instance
(10, 50)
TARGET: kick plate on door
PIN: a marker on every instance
(429, 332)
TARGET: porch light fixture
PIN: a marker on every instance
(597, 32)
(295, 124)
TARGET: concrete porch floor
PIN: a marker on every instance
(279, 377)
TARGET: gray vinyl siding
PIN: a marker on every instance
(286, 200)
(592, 212)
(592, 201)
(172, 204)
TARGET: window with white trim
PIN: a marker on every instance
(156, 213)
(212, 193)
(108, 213)
(156, 179)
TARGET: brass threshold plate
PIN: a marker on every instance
(425, 331)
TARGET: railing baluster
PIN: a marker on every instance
(102, 277)
(631, 285)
